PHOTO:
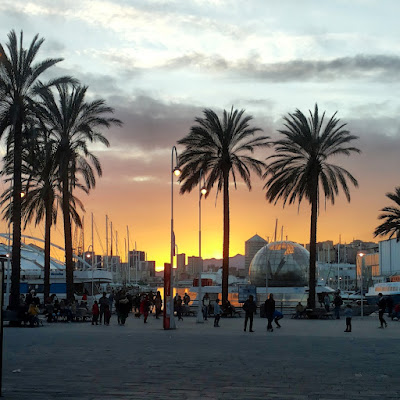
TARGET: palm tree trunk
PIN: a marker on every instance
(16, 216)
(48, 224)
(313, 246)
(225, 255)
(69, 264)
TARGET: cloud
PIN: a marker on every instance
(372, 67)
(150, 123)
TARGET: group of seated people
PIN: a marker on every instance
(65, 311)
(54, 310)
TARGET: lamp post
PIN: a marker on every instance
(91, 255)
(202, 191)
(174, 171)
(361, 282)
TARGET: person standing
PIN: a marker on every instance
(103, 303)
(269, 308)
(95, 313)
(158, 304)
(327, 302)
(206, 304)
(337, 302)
(348, 312)
(382, 308)
(179, 308)
(217, 313)
(123, 308)
(144, 308)
(111, 300)
(249, 307)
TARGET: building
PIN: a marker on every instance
(194, 266)
(340, 253)
(251, 247)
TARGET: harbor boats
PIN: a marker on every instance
(388, 289)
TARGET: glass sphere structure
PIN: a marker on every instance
(285, 264)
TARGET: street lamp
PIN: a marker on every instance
(202, 191)
(174, 171)
(91, 255)
(361, 282)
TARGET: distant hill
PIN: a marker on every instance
(234, 262)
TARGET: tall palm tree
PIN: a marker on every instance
(74, 124)
(391, 225)
(221, 149)
(300, 168)
(19, 76)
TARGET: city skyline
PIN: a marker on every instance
(160, 64)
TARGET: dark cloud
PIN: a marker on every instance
(373, 67)
(150, 123)
(100, 85)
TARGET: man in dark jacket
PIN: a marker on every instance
(269, 308)
(382, 308)
(249, 307)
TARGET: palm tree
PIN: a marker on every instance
(391, 215)
(221, 149)
(300, 168)
(19, 75)
(41, 196)
(74, 123)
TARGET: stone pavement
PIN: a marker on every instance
(305, 359)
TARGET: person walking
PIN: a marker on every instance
(382, 308)
(249, 307)
(348, 313)
(217, 313)
(144, 308)
(269, 308)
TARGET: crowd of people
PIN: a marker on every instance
(123, 303)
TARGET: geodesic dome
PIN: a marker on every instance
(285, 263)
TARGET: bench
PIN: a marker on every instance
(327, 315)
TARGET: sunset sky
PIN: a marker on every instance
(159, 63)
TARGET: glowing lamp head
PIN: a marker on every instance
(22, 194)
(361, 254)
(203, 191)
(88, 255)
(177, 171)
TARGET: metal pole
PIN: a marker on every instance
(92, 263)
(361, 284)
(171, 313)
(129, 259)
(107, 243)
(8, 283)
(199, 293)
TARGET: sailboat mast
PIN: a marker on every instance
(129, 259)
(107, 242)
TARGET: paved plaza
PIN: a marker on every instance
(305, 359)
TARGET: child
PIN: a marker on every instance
(277, 316)
(95, 313)
(348, 312)
(217, 313)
